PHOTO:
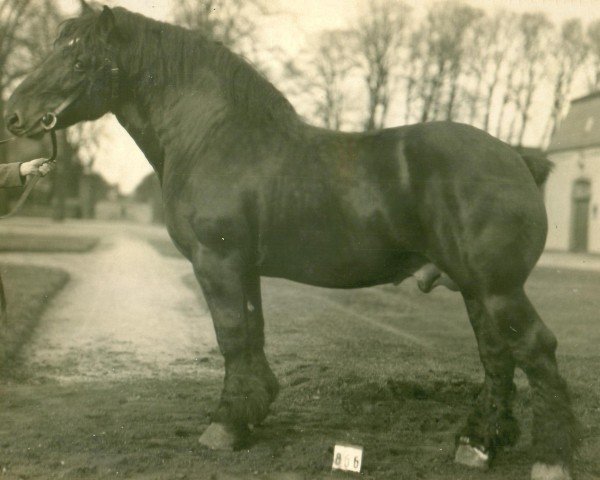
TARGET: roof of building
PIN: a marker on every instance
(581, 126)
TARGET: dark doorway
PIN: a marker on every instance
(581, 214)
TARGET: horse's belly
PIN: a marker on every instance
(342, 267)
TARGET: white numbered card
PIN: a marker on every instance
(347, 458)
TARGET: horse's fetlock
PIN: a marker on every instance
(250, 388)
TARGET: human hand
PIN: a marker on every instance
(38, 166)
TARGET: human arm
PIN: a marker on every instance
(10, 175)
(38, 166)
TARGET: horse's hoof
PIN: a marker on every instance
(543, 471)
(218, 437)
(470, 456)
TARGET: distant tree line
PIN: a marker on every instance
(501, 71)
(505, 72)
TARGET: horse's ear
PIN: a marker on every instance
(107, 21)
(85, 7)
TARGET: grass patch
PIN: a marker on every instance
(165, 248)
(14, 242)
(397, 371)
(388, 368)
(28, 291)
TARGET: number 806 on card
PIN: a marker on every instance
(347, 458)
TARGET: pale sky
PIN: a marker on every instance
(119, 159)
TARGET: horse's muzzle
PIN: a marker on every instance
(14, 123)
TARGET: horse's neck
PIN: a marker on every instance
(171, 120)
(175, 115)
(138, 125)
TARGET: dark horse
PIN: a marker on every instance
(251, 190)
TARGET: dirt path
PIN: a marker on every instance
(125, 313)
(570, 260)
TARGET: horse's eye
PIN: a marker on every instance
(79, 66)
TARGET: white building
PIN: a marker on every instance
(572, 193)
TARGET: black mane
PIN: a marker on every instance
(164, 55)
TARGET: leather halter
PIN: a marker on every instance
(48, 122)
(50, 118)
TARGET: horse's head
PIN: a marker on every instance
(78, 81)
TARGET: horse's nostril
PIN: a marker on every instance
(13, 120)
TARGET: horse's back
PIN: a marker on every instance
(371, 207)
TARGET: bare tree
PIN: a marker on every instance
(320, 74)
(232, 22)
(570, 52)
(448, 27)
(509, 85)
(413, 71)
(593, 38)
(534, 30)
(84, 139)
(380, 34)
(487, 56)
(461, 19)
(13, 14)
(40, 30)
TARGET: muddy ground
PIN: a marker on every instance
(387, 368)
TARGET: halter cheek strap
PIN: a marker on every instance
(50, 119)
(114, 82)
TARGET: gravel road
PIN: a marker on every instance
(124, 313)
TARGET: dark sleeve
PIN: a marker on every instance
(10, 176)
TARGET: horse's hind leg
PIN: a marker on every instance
(491, 423)
(533, 346)
(232, 292)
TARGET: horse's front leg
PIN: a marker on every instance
(232, 292)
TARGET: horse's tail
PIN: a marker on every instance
(539, 166)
